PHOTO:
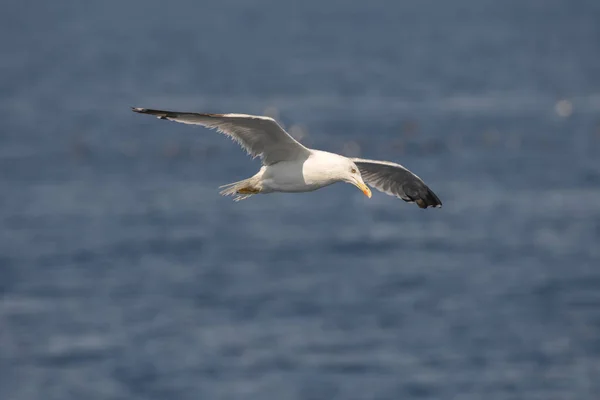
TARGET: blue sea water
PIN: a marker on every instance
(124, 275)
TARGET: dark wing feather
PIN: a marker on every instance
(395, 180)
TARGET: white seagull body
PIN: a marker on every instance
(288, 166)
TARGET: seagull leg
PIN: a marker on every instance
(248, 190)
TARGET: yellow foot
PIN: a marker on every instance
(248, 190)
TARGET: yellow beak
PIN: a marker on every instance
(364, 188)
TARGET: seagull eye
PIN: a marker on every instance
(353, 170)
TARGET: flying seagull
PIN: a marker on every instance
(288, 166)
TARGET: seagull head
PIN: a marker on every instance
(351, 174)
(324, 168)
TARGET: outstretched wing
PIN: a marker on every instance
(395, 180)
(259, 136)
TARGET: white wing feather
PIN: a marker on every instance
(259, 136)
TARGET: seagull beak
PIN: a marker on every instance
(364, 188)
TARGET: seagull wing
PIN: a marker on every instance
(395, 180)
(259, 136)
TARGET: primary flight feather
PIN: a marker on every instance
(288, 166)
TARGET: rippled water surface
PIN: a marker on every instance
(124, 275)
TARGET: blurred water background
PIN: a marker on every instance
(124, 275)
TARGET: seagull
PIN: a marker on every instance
(288, 166)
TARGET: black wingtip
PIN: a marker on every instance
(423, 197)
(160, 114)
(429, 200)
